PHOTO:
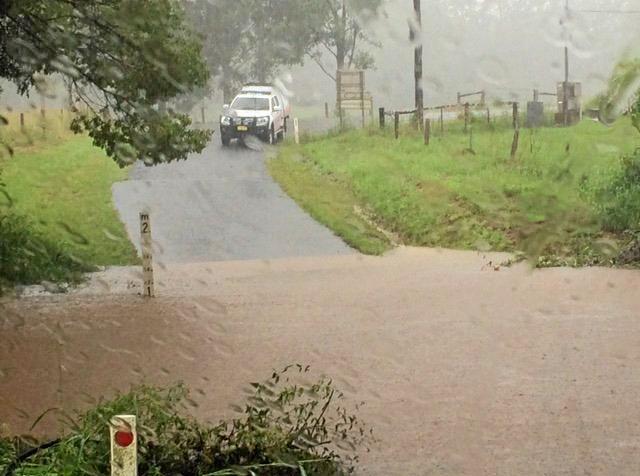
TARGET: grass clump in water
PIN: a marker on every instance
(284, 428)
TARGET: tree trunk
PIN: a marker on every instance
(416, 37)
(341, 44)
(227, 86)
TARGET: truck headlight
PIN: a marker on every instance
(225, 121)
(262, 121)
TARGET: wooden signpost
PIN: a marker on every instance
(467, 116)
(147, 258)
(351, 94)
(427, 131)
(396, 124)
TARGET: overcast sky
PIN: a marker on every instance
(508, 47)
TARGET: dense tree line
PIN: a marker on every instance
(248, 40)
(121, 59)
(125, 61)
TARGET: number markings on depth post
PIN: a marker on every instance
(147, 258)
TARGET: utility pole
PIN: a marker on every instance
(565, 86)
(415, 35)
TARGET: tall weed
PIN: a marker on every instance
(27, 257)
(618, 201)
(285, 428)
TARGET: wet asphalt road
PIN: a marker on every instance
(220, 205)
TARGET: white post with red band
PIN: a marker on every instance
(296, 130)
(124, 445)
(146, 247)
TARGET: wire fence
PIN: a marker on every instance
(462, 116)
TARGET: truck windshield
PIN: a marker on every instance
(251, 104)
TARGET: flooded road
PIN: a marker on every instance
(466, 368)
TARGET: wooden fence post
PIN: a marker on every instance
(466, 116)
(22, 122)
(326, 110)
(381, 117)
(296, 130)
(427, 131)
(339, 98)
(442, 121)
(202, 114)
(44, 122)
(396, 124)
(516, 122)
(488, 116)
(514, 144)
(361, 81)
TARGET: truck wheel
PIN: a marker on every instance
(225, 140)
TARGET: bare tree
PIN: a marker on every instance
(415, 36)
(341, 36)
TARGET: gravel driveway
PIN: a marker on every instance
(217, 206)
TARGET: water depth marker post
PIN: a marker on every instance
(124, 445)
(147, 258)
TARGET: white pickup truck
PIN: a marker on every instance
(258, 110)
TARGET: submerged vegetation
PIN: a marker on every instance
(284, 428)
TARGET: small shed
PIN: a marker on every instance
(573, 99)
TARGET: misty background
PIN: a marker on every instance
(507, 47)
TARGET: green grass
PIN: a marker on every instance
(64, 188)
(446, 195)
(38, 129)
(327, 200)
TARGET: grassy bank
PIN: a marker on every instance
(464, 191)
(33, 128)
(287, 426)
(61, 191)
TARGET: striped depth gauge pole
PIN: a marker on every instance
(147, 258)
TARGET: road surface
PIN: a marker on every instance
(219, 205)
(465, 370)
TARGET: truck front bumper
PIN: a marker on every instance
(240, 131)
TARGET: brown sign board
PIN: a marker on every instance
(351, 94)
(350, 77)
(357, 104)
(350, 87)
(348, 95)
